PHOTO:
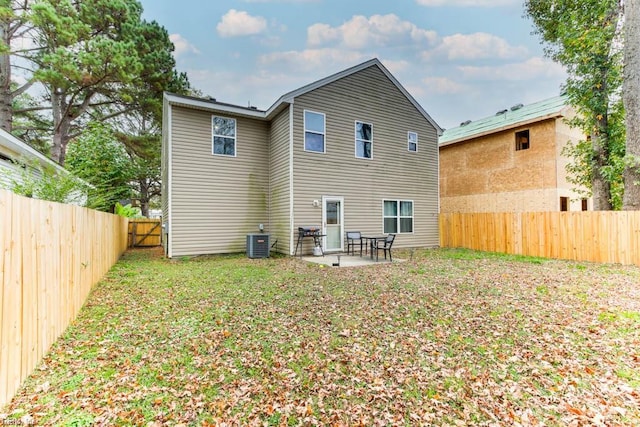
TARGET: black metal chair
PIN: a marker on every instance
(383, 245)
(354, 238)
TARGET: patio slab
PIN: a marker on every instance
(345, 260)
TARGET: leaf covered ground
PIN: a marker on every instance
(449, 337)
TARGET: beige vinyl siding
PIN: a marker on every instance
(216, 200)
(279, 192)
(164, 172)
(393, 173)
(8, 170)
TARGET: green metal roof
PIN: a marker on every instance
(508, 118)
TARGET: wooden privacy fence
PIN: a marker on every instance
(51, 256)
(144, 232)
(607, 237)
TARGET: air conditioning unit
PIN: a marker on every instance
(258, 245)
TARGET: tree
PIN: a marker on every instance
(14, 26)
(584, 37)
(140, 127)
(98, 158)
(144, 154)
(631, 97)
(87, 54)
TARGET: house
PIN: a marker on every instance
(511, 161)
(16, 154)
(352, 151)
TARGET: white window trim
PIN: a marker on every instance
(304, 131)
(398, 217)
(355, 139)
(235, 137)
(409, 142)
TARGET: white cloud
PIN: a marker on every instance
(443, 85)
(239, 23)
(396, 66)
(182, 45)
(378, 30)
(282, 1)
(467, 3)
(476, 46)
(531, 69)
(312, 59)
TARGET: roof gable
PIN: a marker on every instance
(375, 62)
(506, 119)
(289, 97)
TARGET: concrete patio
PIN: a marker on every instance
(344, 260)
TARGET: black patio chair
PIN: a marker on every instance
(384, 245)
(354, 238)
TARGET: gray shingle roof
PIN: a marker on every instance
(508, 118)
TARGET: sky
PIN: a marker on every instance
(460, 59)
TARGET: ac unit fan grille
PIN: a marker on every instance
(258, 245)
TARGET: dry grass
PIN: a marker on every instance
(451, 337)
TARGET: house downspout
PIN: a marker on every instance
(291, 218)
(169, 182)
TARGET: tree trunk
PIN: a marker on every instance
(144, 197)
(60, 141)
(600, 185)
(631, 99)
(6, 98)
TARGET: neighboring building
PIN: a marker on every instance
(353, 151)
(511, 161)
(15, 154)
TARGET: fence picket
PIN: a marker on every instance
(51, 256)
(606, 237)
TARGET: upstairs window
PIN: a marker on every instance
(224, 136)
(314, 131)
(412, 139)
(522, 140)
(397, 216)
(364, 140)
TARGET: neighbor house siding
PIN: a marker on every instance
(9, 171)
(216, 200)
(393, 172)
(279, 191)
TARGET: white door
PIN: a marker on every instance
(332, 219)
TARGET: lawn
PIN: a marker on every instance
(449, 337)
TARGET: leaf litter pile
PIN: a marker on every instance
(448, 337)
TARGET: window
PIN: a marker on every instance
(224, 136)
(412, 139)
(564, 204)
(314, 131)
(585, 206)
(522, 140)
(364, 140)
(398, 216)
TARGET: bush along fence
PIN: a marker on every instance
(607, 237)
(51, 256)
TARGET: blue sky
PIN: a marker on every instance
(460, 59)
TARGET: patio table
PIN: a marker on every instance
(370, 240)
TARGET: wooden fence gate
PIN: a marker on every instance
(144, 232)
